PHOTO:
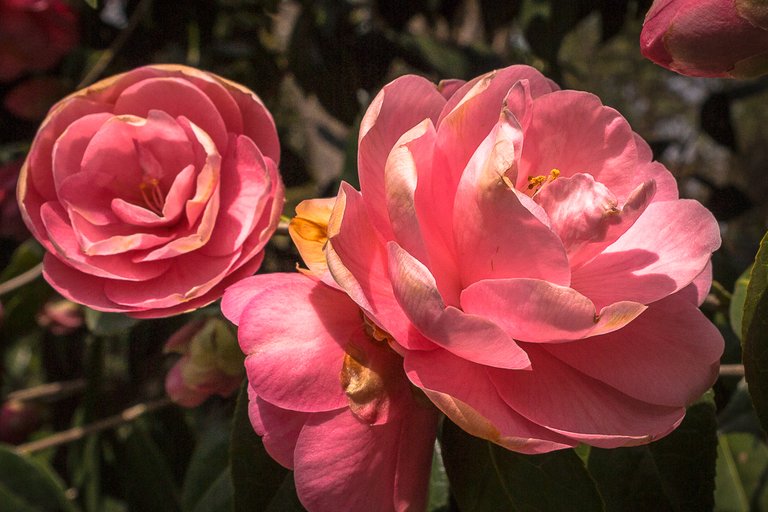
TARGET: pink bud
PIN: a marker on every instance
(211, 362)
(707, 38)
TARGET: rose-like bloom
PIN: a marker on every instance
(153, 190)
(530, 262)
(327, 393)
(34, 35)
(211, 362)
(708, 38)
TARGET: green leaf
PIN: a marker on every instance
(108, 324)
(255, 476)
(146, 475)
(438, 483)
(218, 495)
(485, 476)
(209, 460)
(736, 307)
(93, 4)
(285, 499)
(28, 485)
(674, 473)
(742, 465)
(755, 334)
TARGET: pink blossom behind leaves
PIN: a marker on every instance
(153, 190)
(34, 35)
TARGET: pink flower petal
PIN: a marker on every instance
(649, 359)
(555, 395)
(414, 99)
(538, 311)
(336, 453)
(357, 260)
(469, 336)
(176, 97)
(452, 383)
(520, 245)
(665, 249)
(590, 138)
(279, 428)
(295, 365)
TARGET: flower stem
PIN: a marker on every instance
(21, 279)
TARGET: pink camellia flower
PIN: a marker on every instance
(530, 262)
(211, 362)
(708, 38)
(34, 35)
(61, 317)
(153, 190)
(31, 99)
(327, 393)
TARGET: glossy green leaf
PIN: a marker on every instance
(755, 334)
(742, 467)
(485, 476)
(674, 473)
(255, 476)
(736, 307)
(28, 485)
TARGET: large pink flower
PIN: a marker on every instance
(532, 265)
(708, 38)
(330, 397)
(34, 35)
(153, 190)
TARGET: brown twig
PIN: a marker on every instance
(49, 391)
(74, 434)
(21, 279)
(732, 370)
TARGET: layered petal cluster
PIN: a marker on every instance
(708, 38)
(330, 397)
(153, 190)
(34, 35)
(531, 263)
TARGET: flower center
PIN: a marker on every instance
(153, 197)
(535, 183)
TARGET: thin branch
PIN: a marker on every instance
(21, 279)
(107, 55)
(732, 370)
(74, 434)
(50, 391)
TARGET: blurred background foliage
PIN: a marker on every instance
(317, 64)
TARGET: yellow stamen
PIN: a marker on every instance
(153, 198)
(536, 182)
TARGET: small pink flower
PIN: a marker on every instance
(327, 393)
(18, 420)
(708, 38)
(61, 317)
(34, 35)
(211, 362)
(153, 190)
(532, 264)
